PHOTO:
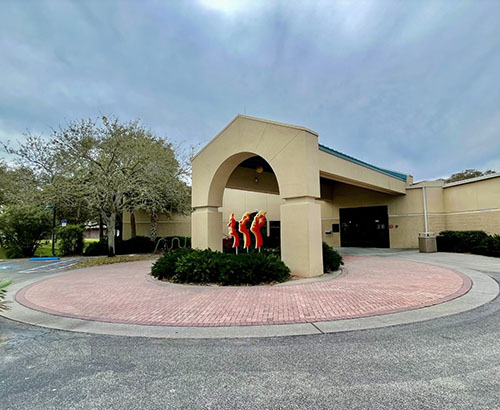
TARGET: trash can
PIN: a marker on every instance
(427, 242)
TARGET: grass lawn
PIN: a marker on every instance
(105, 260)
(45, 249)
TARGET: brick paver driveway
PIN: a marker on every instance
(124, 293)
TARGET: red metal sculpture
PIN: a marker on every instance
(258, 222)
(233, 232)
(244, 230)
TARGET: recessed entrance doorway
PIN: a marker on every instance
(364, 227)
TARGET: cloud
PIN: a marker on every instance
(405, 85)
(231, 8)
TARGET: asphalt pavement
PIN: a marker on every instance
(447, 363)
(21, 270)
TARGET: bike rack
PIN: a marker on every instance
(167, 248)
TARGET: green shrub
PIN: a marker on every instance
(331, 259)
(164, 268)
(206, 266)
(14, 252)
(489, 246)
(459, 241)
(70, 240)
(3, 291)
(97, 248)
(22, 229)
(478, 242)
(138, 244)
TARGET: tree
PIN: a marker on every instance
(3, 184)
(39, 179)
(18, 186)
(22, 228)
(162, 189)
(119, 165)
(467, 174)
(104, 167)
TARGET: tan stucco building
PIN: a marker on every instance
(313, 193)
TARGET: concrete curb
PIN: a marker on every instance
(483, 290)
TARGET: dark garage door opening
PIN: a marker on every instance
(365, 227)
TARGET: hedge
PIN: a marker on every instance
(206, 266)
(96, 248)
(138, 244)
(459, 241)
(489, 246)
(331, 259)
(478, 242)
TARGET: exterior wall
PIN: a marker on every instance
(488, 221)
(473, 206)
(92, 233)
(406, 212)
(239, 202)
(470, 206)
(176, 225)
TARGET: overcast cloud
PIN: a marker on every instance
(408, 85)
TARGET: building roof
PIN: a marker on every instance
(339, 154)
(394, 174)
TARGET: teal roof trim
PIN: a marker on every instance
(393, 174)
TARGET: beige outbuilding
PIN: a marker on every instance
(313, 193)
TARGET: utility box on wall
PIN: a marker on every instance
(427, 242)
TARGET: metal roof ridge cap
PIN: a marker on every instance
(388, 172)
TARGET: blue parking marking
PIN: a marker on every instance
(45, 258)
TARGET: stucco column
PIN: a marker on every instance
(206, 225)
(301, 247)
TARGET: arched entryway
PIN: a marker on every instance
(291, 154)
(253, 187)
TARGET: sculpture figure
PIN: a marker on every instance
(233, 232)
(258, 222)
(244, 230)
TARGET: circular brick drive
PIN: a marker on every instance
(124, 293)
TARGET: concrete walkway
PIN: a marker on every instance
(367, 296)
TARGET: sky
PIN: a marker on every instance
(412, 86)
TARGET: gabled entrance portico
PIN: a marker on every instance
(291, 164)
(292, 154)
